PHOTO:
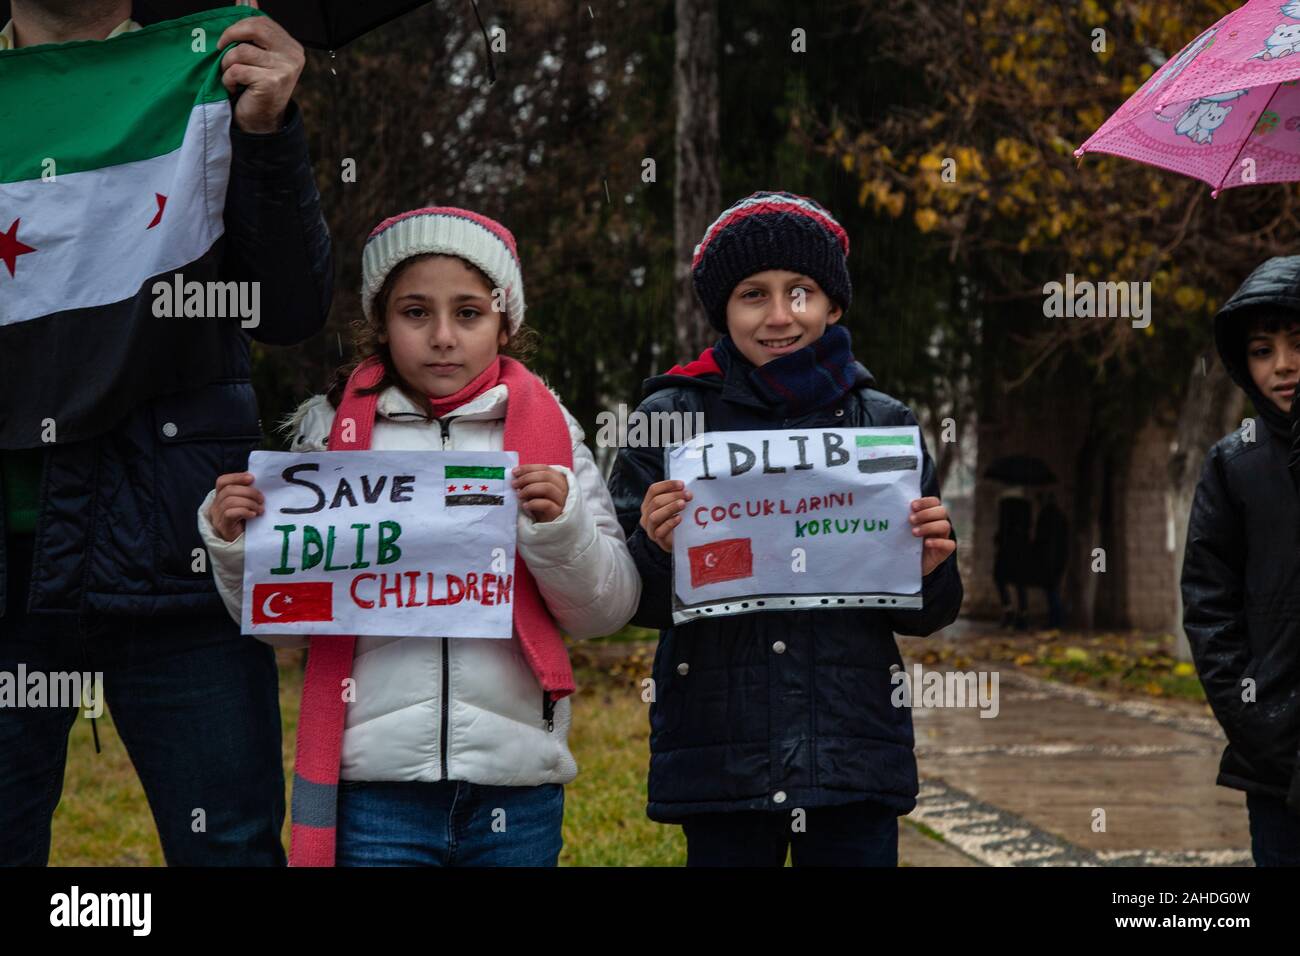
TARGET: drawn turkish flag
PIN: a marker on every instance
(724, 560)
(285, 603)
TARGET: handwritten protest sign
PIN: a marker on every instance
(409, 544)
(796, 518)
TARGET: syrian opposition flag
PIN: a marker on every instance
(877, 453)
(114, 161)
(473, 485)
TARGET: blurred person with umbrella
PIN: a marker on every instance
(1051, 546)
(1013, 560)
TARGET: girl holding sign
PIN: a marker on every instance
(449, 751)
(776, 730)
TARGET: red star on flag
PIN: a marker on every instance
(466, 487)
(11, 247)
(482, 487)
(450, 489)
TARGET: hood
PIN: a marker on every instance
(1274, 286)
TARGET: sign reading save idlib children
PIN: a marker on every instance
(409, 544)
(796, 518)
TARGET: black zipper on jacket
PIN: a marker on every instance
(446, 708)
(445, 425)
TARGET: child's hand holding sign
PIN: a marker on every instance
(541, 490)
(661, 511)
(930, 520)
(236, 501)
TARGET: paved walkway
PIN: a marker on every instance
(1022, 788)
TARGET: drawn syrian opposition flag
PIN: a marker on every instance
(473, 485)
(114, 161)
(877, 453)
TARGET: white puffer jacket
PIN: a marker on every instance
(468, 709)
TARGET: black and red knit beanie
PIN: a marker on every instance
(770, 230)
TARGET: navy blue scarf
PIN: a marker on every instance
(807, 379)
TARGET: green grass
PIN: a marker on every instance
(926, 831)
(604, 812)
(1130, 662)
(631, 633)
(1150, 670)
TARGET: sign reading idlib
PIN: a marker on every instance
(409, 544)
(781, 519)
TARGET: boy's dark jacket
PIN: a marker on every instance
(1241, 570)
(779, 709)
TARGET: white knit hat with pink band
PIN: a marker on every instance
(448, 231)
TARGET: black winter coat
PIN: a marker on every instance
(117, 530)
(1241, 569)
(1051, 547)
(777, 709)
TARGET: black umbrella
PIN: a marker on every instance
(1020, 470)
(319, 24)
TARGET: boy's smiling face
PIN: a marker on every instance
(776, 312)
(1273, 359)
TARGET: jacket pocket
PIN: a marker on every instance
(197, 435)
(672, 685)
(1263, 731)
(864, 702)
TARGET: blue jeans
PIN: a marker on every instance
(853, 834)
(1274, 831)
(448, 823)
(196, 704)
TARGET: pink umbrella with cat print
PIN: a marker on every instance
(1225, 110)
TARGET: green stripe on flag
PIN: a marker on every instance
(865, 441)
(85, 105)
(474, 471)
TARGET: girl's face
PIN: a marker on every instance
(440, 326)
(777, 312)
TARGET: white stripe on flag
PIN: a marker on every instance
(90, 229)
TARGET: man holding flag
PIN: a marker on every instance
(165, 157)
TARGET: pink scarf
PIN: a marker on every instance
(535, 427)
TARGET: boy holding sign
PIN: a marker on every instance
(775, 730)
(430, 750)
